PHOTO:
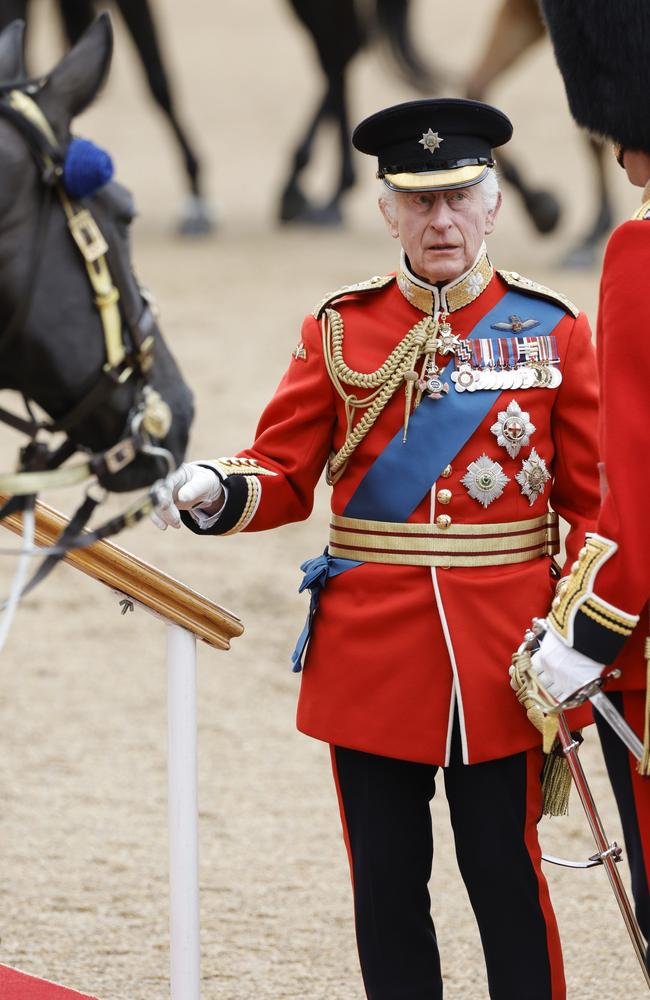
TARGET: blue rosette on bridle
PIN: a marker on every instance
(317, 572)
(86, 168)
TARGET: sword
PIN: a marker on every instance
(608, 855)
(622, 729)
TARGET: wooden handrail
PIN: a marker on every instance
(138, 580)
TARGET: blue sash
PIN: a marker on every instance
(399, 478)
(317, 572)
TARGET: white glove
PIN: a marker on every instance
(191, 485)
(562, 669)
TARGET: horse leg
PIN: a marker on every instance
(584, 254)
(293, 203)
(139, 20)
(337, 34)
(542, 206)
(338, 110)
(339, 106)
(517, 26)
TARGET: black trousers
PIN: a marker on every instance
(494, 810)
(632, 794)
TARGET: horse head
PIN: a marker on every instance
(77, 334)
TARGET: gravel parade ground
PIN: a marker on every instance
(83, 822)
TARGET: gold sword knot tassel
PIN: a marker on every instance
(556, 777)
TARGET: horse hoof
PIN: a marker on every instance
(323, 215)
(293, 205)
(544, 210)
(197, 218)
(316, 215)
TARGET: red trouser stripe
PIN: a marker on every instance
(344, 822)
(533, 812)
(634, 712)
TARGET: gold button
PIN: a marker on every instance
(444, 496)
(575, 566)
(443, 520)
(555, 603)
(446, 472)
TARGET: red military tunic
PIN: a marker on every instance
(395, 649)
(604, 612)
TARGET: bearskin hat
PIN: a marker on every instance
(603, 50)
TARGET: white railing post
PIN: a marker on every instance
(183, 815)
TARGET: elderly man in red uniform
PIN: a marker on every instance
(602, 617)
(454, 407)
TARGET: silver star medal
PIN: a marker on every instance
(431, 141)
(533, 476)
(485, 480)
(513, 428)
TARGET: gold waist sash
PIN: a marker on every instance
(455, 545)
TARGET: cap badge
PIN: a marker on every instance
(430, 140)
(484, 480)
(299, 352)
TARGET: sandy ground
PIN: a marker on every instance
(83, 837)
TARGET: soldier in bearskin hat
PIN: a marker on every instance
(602, 617)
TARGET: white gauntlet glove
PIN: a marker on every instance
(562, 669)
(191, 485)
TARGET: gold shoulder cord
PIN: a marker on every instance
(399, 366)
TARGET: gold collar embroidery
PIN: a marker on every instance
(455, 295)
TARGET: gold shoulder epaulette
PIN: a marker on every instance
(371, 285)
(643, 212)
(516, 280)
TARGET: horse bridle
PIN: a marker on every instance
(150, 416)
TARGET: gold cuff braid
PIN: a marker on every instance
(254, 493)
